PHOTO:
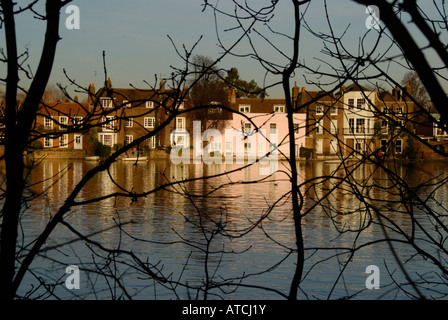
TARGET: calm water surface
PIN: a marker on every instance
(164, 231)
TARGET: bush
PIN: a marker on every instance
(102, 151)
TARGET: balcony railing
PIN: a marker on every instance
(359, 131)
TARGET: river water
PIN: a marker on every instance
(171, 231)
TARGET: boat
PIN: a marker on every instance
(92, 158)
(135, 159)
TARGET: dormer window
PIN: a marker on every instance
(244, 108)
(279, 109)
(106, 102)
(149, 104)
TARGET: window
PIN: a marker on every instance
(319, 110)
(106, 102)
(359, 146)
(399, 110)
(247, 128)
(244, 108)
(149, 104)
(106, 139)
(228, 147)
(334, 110)
(77, 120)
(333, 126)
(319, 127)
(63, 122)
(108, 123)
(128, 139)
(296, 128)
(360, 125)
(319, 146)
(398, 146)
(63, 141)
(126, 103)
(385, 110)
(149, 122)
(273, 128)
(152, 142)
(351, 125)
(48, 142)
(181, 105)
(129, 123)
(384, 125)
(48, 123)
(180, 123)
(333, 146)
(78, 139)
(360, 103)
(351, 103)
(279, 109)
(214, 110)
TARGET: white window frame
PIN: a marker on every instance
(333, 110)
(152, 142)
(244, 108)
(107, 102)
(63, 141)
(273, 128)
(319, 109)
(333, 146)
(128, 139)
(247, 128)
(127, 104)
(129, 122)
(319, 127)
(77, 120)
(48, 123)
(63, 122)
(108, 123)
(279, 108)
(149, 122)
(333, 126)
(48, 142)
(360, 125)
(181, 121)
(149, 104)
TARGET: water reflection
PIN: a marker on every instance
(172, 226)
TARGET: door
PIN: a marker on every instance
(77, 141)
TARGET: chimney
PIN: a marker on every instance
(232, 96)
(295, 91)
(342, 89)
(76, 99)
(162, 85)
(408, 90)
(396, 93)
(108, 84)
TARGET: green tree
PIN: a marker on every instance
(243, 89)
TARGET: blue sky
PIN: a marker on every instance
(134, 36)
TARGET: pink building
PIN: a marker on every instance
(262, 129)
